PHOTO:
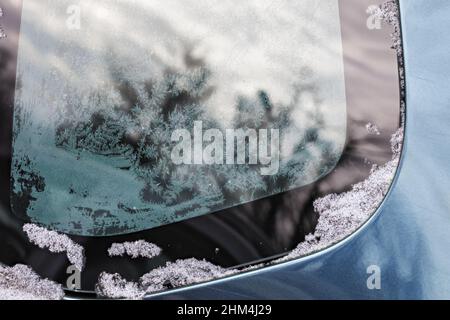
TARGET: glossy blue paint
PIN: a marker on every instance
(409, 236)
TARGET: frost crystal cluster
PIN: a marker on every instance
(342, 214)
(56, 243)
(389, 12)
(372, 129)
(173, 275)
(115, 287)
(137, 136)
(135, 249)
(22, 283)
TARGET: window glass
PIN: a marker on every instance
(134, 114)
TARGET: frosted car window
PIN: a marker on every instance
(132, 115)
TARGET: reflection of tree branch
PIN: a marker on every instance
(138, 128)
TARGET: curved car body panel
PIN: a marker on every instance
(408, 237)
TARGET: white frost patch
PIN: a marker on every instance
(342, 214)
(115, 287)
(135, 249)
(55, 242)
(372, 129)
(173, 275)
(22, 283)
(390, 14)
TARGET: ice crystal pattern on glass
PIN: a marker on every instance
(138, 138)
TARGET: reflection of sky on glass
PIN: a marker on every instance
(275, 46)
(250, 45)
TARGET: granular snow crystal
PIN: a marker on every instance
(172, 275)
(55, 242)
(22, 283)
(372, 129)
(135, 249)
(342, 214)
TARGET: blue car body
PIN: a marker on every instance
(408, 237)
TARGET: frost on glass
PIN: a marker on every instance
(101, 88)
